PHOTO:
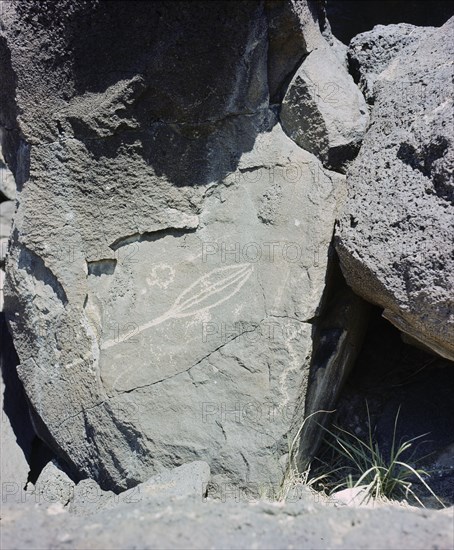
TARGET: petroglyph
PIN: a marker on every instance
(223, 283)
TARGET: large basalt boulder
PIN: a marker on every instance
(395, 238)
(369, 53)
(169, 251)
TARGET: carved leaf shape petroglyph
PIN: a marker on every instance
(210, 290)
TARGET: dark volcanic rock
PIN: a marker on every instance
(395, 238)
(371, 52)
(169, 251)
(293, 32)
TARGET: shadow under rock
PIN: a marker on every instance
(181, 84)
(16, 408)
(396, 378)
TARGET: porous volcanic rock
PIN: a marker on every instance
(369, 53)
(395, 238)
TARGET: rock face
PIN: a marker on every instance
(52, 486)
(395, 239)
(191, 480)
(169, 252)
(323, 110)
(16, 431)
(238, 523)
(7, 183)
(293, 32)
(13, 464)
(337, 343)
(7, 209)
(371, 52)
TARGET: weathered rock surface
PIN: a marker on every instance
(6, 217)
(7, 209)
(195, 523)
(191, 479)
(7, 182)
(52, 486)
(186, 480)
(293, 32)
(13, 463)
(2, 283)
(337, 343)
(16, 431)
(341, 51)
(369, 53)
(88, 498)
(323, 110)
(169, 252)
(395, 238)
